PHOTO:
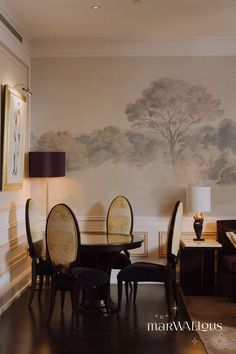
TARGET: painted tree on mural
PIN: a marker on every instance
(170, 108)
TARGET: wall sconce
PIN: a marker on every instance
(198, 200)
(24, 88)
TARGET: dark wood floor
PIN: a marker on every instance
(24, 332)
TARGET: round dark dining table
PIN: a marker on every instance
(100, 250)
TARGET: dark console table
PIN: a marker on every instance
(198, 267)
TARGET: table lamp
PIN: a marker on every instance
(198, 201)
(45, 164)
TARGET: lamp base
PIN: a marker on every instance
(199, 239)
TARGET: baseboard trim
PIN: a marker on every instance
(18, 293)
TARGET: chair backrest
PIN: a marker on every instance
(174, 233)
(62, 236)
(33, 229)
(120, 216)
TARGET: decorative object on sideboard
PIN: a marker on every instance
(13, 143)
(46, 164)
(198, 201)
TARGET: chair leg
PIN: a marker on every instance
(119, 294)
(33, 283)
(107, 298)
(167, 291)
(127, 290)
(75, 301)
(174, 308)
(41, 277)
(135, 290)
(62, 299)
(52, 301)
(174, 288)
(130, 285)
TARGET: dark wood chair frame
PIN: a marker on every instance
(126, 252)
(39, 266)
(69, 276)
(169, 270)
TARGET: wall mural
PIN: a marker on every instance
(173, 121)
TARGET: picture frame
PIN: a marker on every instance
(13, 139)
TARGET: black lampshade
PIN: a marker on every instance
(47, 164)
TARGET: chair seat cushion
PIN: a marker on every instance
(229, 262)
(89, 277)
(142, 271)
(121, 261)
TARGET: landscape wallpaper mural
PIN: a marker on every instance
(146, 128)
(172, 119)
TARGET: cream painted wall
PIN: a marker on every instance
(14, 261)
(86, 95)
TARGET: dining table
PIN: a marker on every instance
(99, 250)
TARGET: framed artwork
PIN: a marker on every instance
(13, 144)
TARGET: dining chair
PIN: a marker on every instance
(63, 246)
(152, 272)
(120, 221)
(40, 266)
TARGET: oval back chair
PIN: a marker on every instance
(120, 221)
(174, 233)
(63, 236)
(63, 243)
(120, 216)
(35, 236)
(152, 272)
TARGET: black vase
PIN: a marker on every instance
(198, 226)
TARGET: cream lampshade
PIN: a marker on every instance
(198, 201)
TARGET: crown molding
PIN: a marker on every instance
(105, 48)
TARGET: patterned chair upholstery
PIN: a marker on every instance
(120, 217)
(144, 271)
(120, 221)
(40, 266)
(63, 241)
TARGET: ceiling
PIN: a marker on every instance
(123, 19)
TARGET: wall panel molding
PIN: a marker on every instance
(143, 250)
(14, 262)
(222, 46)
(12, 225)
(13, 243)
(185, 235)
(14, 290)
